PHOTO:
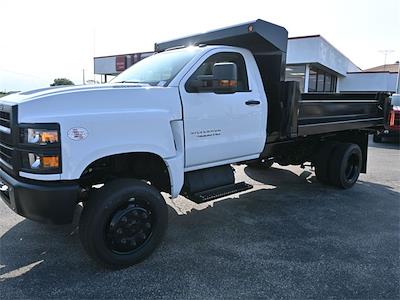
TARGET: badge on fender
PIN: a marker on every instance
(77, 133)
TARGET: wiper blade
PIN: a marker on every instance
(129, 81)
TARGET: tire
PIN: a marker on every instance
(345, 165)
(322, 162)
(123, 223)
(261, 164)
(377, 138)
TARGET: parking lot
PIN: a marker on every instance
(288, 237)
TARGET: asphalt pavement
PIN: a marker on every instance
(288, 237)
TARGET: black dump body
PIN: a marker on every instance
(291, 114)
(322, 113)
(294, 115)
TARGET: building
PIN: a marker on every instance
(112, 65)
(381, 78)
(391, 68)
(311, 60)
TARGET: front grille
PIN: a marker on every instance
(5, 119)
(6, 140)
(6, 155)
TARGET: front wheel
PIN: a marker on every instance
(123, 222)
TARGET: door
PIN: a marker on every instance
(223, 127)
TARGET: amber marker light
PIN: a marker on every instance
(228, 83)
(50, 161)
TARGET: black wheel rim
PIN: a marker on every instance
(352, 168)
(130, 227)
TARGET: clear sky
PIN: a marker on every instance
(44, 39)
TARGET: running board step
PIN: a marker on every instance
(219, 192)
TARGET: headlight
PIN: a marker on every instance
(40, 163)
(39, 149)
(40, 136)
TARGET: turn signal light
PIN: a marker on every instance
(50, 162)
(40, 162)
(391, 118)
(227, 83)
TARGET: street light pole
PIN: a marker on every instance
(385, 53)
(398, 78)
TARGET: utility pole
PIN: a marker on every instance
(83, 77)
(398, 78)
(94, 54)
(385, 52)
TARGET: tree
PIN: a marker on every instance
(62, 81)
(91, 81)
(2, 94)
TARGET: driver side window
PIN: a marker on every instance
(206, 68)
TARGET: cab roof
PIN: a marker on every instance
(260, 37)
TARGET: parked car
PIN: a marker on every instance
(393, 128)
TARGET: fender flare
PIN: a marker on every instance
(174, 165)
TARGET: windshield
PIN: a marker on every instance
(158, 69)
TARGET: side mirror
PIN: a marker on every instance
(222, 81)
(225, 78)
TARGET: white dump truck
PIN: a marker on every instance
(174, 123)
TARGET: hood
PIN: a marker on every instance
(22, 97)
(55, 104)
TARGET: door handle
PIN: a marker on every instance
(252, 102)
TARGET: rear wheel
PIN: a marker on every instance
(123, 222)
(322, 162)
(345, 165)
